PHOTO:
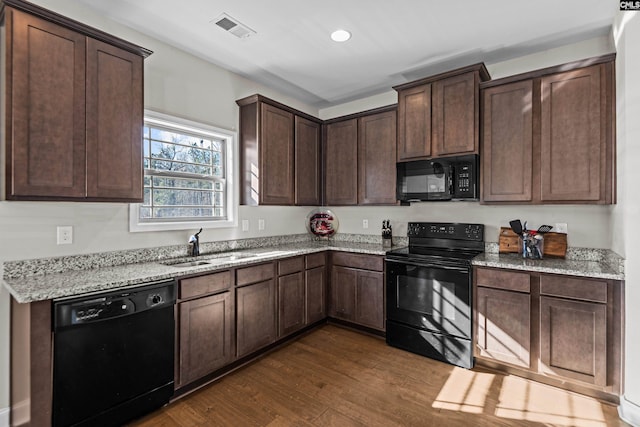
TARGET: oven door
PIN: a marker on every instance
(423, 180)
(432, 297)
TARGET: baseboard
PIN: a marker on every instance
(629, 412)
(4, 417)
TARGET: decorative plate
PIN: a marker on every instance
(322, 223)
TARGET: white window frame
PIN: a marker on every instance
(231, 168)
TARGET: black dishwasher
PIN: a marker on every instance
(113, 355)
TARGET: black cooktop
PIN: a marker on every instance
(418, 252)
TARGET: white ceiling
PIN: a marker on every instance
(393, 41)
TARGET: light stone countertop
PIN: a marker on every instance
(76, 282)
(571, 267)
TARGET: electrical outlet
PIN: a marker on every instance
(245, 225)
(261, 224)
(561, 227)
(365, 223)
(65, 235)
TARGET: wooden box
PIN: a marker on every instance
(555, 244)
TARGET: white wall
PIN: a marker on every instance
(626, 214)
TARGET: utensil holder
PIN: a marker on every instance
(532, 246)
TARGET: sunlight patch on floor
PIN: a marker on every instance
(516, 398)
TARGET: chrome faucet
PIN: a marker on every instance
(194, 244)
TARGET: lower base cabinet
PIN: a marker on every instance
(315, 281)
(291, 303)
(206, 326)
(564, 330)
(256, 316)
(357, 289)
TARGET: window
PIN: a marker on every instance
(188, 176)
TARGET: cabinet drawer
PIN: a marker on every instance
(365, 262)
(315, 260)
(575, 288)
(502, 279)
(253, 274)
(291, 265)
(202, 285)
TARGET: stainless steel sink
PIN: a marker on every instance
(188, 264)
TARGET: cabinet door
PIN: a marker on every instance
(343, 292)
(454, 115)
(307, 167)
(573, 339)
(341, 166)
(572, 136)
(504, 326)
(291, 303)
(315, 284)
(276, 156)
(370, 299)
(414, 122)
(206, 325)
(507, 142)
(256, 316)
(377, 159)
(114, 122)
(46, 129)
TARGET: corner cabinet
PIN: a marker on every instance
(561, 330)
(360, 158)
(439, 116)
(548, 136)
(74, 109)
(279, 154)
(357, 289)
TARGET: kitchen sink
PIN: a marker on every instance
(187, 264)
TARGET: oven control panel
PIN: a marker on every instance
(446, 230)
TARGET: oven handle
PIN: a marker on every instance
(429, 265)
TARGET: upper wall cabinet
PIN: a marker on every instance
(74, 109)
(279, 154)
(361, 158)
(438, 115)
(548, 135)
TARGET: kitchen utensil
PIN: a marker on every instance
(516, 226)
(544, 229)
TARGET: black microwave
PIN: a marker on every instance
(446, 178)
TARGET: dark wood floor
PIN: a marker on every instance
(337, 377)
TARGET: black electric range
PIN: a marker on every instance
(429, 291)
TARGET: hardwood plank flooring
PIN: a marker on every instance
(337, 377)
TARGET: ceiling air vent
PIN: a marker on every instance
(233, 26)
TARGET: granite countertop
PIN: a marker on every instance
(42, 287)
(571, 267)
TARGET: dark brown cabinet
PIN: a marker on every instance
(377, 159)
(507, 142)
(291, 296)
(205, 312)
(341, 163)
(548, 135)
(414, 122)
(256, 324)
(361, 159)
(279, 154)
(503, 317)
(562, 330)
(455, 115)
(357, 289)
(275, 153)
(315, 287)
(439, 115)
(308, 172)
(74, 117)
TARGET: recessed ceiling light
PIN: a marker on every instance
(340, 35)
